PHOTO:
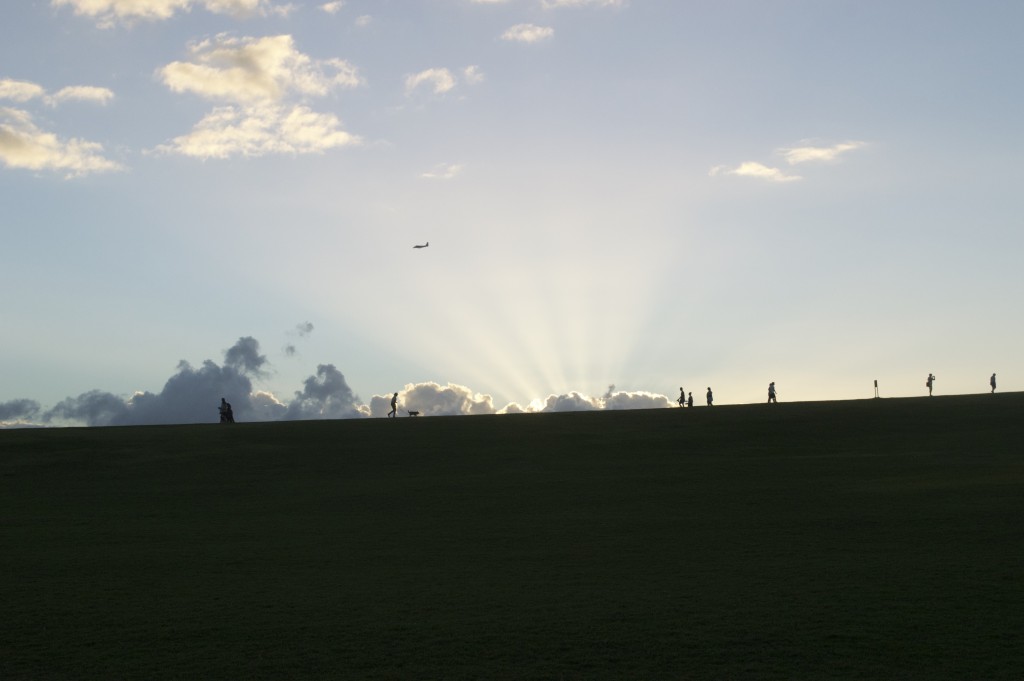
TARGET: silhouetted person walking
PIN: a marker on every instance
(930, 382)
(992, 382)
(711, 398)
(689, 400)
(394, 406)
(682, 397)
(771, 393)
(226, 415)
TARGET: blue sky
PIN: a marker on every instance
(633, 194)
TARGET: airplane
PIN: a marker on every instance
(422, 245)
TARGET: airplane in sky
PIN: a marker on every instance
(422, 245)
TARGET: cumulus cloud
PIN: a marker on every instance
(333, 7)
(755, 170)
(191, 395)
(440, 80)
(107, 13)
(245, 70)
(82, 93)
(20, 90)
(433, 399)
(473, 75)
(24, 145)
(804, 154)
(18, 413)
(244, 356)
(528, 33)
(324, 396)
(260, 130)
(257, 75)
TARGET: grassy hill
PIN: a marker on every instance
(875, 539)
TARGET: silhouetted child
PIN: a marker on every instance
(711, 398)
(689, 400)
(394, 406)
(929, 383)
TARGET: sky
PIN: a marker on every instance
(207, 198)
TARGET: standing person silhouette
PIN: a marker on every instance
(771, 393)
(394, 406)
(226, 414)
(689, 400)
(711, 398)
(682, 397)
(992, 382)
(929, 383)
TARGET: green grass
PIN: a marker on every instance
(876, 539)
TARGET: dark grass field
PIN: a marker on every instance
(876, 539)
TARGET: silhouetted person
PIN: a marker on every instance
(771, 393)
(226, 415)
(930, 382)
(689, 400)
(394, 406)
(711, 398)
(682, 397)
(992, 382)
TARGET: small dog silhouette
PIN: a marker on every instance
(414, 413)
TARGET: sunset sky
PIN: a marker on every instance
(621, 198)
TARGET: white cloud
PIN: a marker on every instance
(363, 21)
(82, 93)
(528, 33)
(260, 130)
(23, 91)
(473, 75)
(110, 12)
(20, 90)
(441, 80)
(259, 76)
(333, 7)
(755, 170)
(254, 69)
(443, 171)
(797, 155)
(24, 145)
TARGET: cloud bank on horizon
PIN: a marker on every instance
(192, 395)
